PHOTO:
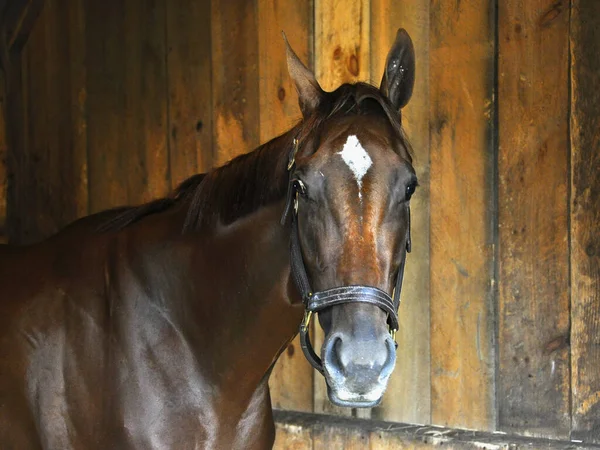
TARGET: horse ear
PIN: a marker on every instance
(399, 75)
(309, 91)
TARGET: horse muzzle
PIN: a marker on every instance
(357, 368)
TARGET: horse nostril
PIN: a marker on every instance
(331, 352)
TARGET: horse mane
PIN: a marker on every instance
(259, 177)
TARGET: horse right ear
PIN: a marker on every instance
(309, 91)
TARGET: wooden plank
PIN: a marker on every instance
(341, 55)
(32, 181)
(327, 437)
(3, 159)
(74, 12)
(190, 93)
(234, 79)
(127, 92)
(333, 432)
(407, 398)
(291, 382)
(49, 158)
(19, 19)
(17, 100)
(292, 437)
(461, 63)
(534, 370)
(105, 35)
(341, 42)
(144, 137)
(585, 217)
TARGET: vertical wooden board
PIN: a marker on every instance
(143, 138)
(105, 35)
(461, 95)
(74, 11)
(190, 94)
(55, 171)
(127, 95)
(37, 178)
(291, 381)
(279, 110)
(292, 437)
(17, 101)
(341, 42)
(63, 164)
(341, 55)
(25, 226)
(407, 398)
(585, 217)
(3, 158)
(533, 264)
(49, 160)
(234, 79)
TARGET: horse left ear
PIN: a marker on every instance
(399, 75)
(309, 91)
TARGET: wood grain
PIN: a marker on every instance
(57, 177)
(534, 370)
(585, 217)
(143, 137)
(74, 11)
(234, 79)
(407, 398)
(16, 114)
(27, 157)
(341, 41)
(127, 92)
(3, 158)
(49, 160)
(291, 381)
(342, 438)
(21, 16)
(190, 95)
(43, 175)
(461, 56)
(292, 437)
(107, 162)
(295, 429)
(341, 56)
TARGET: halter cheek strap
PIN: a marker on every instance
(317, 301)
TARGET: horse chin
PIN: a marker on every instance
(342, 397)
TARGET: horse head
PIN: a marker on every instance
(351, 181)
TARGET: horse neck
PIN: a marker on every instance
(227, 290)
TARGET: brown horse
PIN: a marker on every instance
(157, 326)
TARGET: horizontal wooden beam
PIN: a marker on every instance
(319, 430)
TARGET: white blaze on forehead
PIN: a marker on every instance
(357, 159)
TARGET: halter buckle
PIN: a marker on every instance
(306, 320)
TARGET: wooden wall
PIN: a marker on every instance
(117, 102)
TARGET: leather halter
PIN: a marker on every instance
(317, 301)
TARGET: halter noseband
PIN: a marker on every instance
(317, 301)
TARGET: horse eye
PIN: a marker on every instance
(410, 190)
